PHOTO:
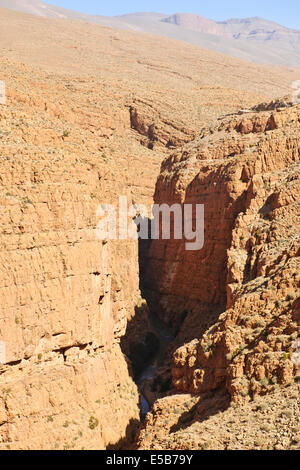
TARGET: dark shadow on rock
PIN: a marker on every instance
(162, 383)
(161, 288)
(296, 310)
(209, 404)
(139, 343)
(126, 442)
(185, 420)
(266, 209)
(143, 249)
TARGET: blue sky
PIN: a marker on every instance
(284, 12)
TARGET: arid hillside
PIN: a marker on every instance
(90, 114)
(254, 39)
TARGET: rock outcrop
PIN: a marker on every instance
(235, 304)
(246, 173)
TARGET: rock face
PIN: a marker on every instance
(246, 173)
(65, 381)
(72, 137)
(235, 305)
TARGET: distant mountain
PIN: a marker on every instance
(253, 39)
(194, 22)
(246, 28)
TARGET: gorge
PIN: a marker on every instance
(90, 324)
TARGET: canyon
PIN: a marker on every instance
(93, 113)
(235, 304)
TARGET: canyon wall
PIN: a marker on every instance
(65, 382)
(80, 128)
(240, 294)
(235, 304)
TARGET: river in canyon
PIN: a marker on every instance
(165, 336)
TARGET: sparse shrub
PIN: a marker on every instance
(290, 297)
(93, 422)
(264, 382)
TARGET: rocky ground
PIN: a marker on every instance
(184, 422)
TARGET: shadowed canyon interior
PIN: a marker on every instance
(126, 344)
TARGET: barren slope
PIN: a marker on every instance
(184, 422)
(253, 39)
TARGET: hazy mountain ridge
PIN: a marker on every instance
(253, 39)
(234, 27)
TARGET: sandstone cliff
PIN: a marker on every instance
(65, 382)
(238, 298)
(80, 128)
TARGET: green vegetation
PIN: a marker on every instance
(93, 422)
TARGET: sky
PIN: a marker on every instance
(285, 12)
